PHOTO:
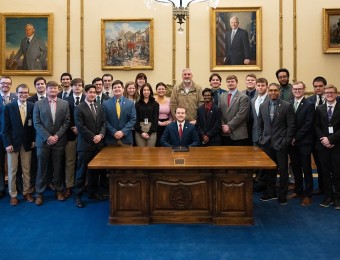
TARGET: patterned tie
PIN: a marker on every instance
(118, 107)
(98, 99)
(180, 131)
(22, 113)
(296, 105)
(77, 101)
(93, 110)
(329, 113)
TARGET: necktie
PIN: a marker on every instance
(65, 95)
(180, 131)
(118, 107)
(229, 98)
(107, 93)
(77, 101)
(272, 110)
(5, 100)
(42, 97)
(329, 113)
(98, 99)
(22, 113)
(232, 35)
(93, 110)
(27, 44)
(53, 109)
(320, 100)
(257, 105)
(296, 105)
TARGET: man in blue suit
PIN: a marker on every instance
(6, 97)
(121, 117)
(51, 118)
(237, 45)
(180, 132)
(18, 138)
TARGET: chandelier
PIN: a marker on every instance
(180, 8)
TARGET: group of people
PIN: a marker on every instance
(64, 130)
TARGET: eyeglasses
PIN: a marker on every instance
(6, 83)
(297, 89)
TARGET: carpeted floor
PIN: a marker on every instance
(58, 230)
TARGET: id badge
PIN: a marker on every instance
(330, 130)
(146, 121)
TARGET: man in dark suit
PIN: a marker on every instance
(33, 49)
(180, 132)
(208, 122)
(6, 98)
(91, 124)
(234, 107)
(18, 137)
(276, 131)
(237, 44)
(327, 129)
(251, 93)
(51, 120)
(301, 146)
(120, 116)
(100, 96)
(73, 100)
(317, 99)
(65, 80)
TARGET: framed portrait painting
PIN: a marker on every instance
(26, 44)
(235, 38)
(127, 44)
(331, 30)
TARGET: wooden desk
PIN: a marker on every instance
(204, 185)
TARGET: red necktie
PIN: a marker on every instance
(229, 98)
(180, 131)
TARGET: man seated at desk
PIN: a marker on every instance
(180, 132)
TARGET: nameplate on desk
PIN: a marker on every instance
(180, 149)
(179, 161)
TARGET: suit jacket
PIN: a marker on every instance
(170, 136)
(277, 134)
(217, 94)
(209, 125)
(12, 97)
(104, 98)
(235, 115)
(125, 123)
(14, 132)
(89, 126)
(239, 49)
(60, 94)
(43, 123)
(70, 99)
(322, 124)
(34, 55)
(255, 130)
(33, 98)
(304, 123)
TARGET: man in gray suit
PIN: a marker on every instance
(276, 125)
(51, 120)
(33, 49)
(234, 106)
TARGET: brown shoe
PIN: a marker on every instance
(13, 201)
(28, 197)
(68, 192)
(60, 196)
(306, 201)
(39, 200)
(294, 196)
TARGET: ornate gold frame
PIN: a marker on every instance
(329, 47)
(257, 64)
(125, 22)
(22, 20)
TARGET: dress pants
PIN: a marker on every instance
(280, 157)
(330, 163)
(2, 165)
(84, 157)
(300, 158)
(318, 167)
(70, 162)
(50, 157)
(13, 162)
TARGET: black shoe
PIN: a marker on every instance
(78, 203)
(326, 202)
(259, 187)
(2, 194)
(95, 196)
(282, 200)
(268, 197)
(318, 192)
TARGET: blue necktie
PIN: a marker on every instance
(329, 113)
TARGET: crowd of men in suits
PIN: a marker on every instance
(53, 140)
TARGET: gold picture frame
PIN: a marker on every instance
(127, 44)
(20, 56)
(331, 30)
(237, 55)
